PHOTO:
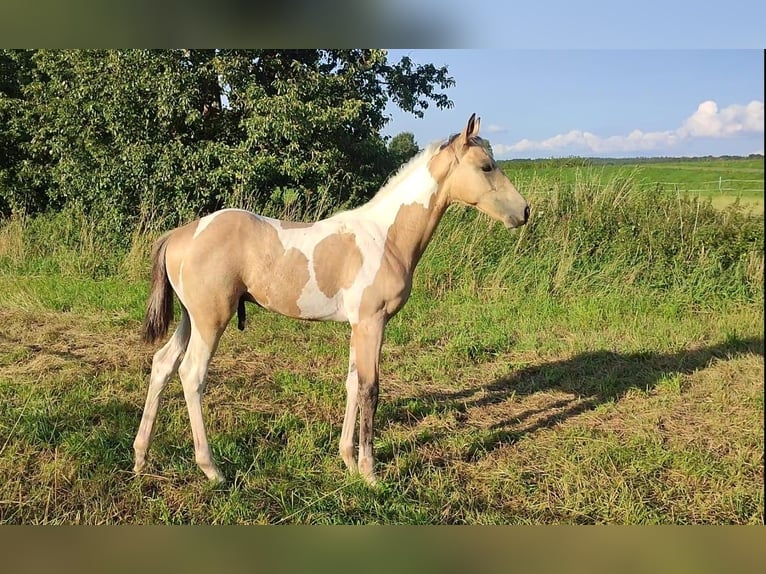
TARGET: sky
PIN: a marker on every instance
(564, 24)
(598, 103)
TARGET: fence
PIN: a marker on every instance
(731, 187)
(723, 186)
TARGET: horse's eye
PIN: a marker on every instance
(486, 167)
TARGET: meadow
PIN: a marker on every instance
(603, 364)
(723, 180)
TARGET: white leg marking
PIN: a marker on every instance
(193, 371)
(352, 409)
(164, 366)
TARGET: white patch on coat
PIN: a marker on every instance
(412, 184)
(179, 289)
(369, 225)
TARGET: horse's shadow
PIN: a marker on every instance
(584, 381)
(588, 379)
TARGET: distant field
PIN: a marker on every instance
(722, 180)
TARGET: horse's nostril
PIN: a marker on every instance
(526, 214)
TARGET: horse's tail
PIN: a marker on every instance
(159, 309)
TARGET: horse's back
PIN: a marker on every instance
(302, 270)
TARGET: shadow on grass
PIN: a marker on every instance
(591, 379)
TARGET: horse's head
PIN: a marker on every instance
(471, 176)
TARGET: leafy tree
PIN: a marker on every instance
(402, 147)
(13, 67)
(176, 133)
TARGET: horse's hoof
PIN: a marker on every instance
(214, 475)
(366, 469)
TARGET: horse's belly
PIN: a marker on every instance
(317, 306)
(310, 304)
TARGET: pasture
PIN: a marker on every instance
(722, 180)
(603, 364)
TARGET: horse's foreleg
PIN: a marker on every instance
(349, 420)
(164, 365)
(193, 371)
(367, 339)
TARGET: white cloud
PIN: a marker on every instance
(496, 129)
(707, 121)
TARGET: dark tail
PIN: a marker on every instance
(159, 309)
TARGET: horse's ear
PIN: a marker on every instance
(471, 129)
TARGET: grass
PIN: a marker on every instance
(567, 373)
(723, 180)
(654, 420)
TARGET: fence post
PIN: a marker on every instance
(720, 180)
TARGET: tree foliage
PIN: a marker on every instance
(403, 147)
(176, 133)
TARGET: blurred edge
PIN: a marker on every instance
(226, 23)
(373, 549)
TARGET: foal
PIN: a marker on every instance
(355, 266)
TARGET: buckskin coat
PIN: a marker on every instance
(355, 266)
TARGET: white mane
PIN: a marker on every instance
(405, 171)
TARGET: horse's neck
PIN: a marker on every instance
(409, 210)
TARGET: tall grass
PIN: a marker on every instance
(584, 236)
(65, 243)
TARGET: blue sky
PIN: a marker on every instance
(564, 24)
(603, 102)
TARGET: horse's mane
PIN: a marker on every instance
(421, 158)
(405, 171)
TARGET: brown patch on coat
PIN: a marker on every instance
(337, 261)
(275, 277)
(238, 255)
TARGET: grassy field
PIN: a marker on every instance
(603, 364)
(722, 180)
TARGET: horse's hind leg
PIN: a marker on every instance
(193, 371)
(164, 365)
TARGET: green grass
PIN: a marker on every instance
(721, 180)
(530, 420)
(603, 364)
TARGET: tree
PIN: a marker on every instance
(13, 68)
(402, 147)
(182, 132)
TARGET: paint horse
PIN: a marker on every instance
(355, 266)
